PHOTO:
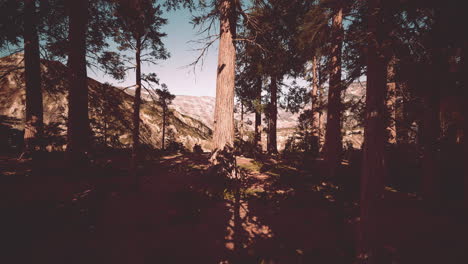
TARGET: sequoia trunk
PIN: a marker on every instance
(225, 80)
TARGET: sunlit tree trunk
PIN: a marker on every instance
(33, 128)
(273, 116)
(314, 94)
(241, 126)
(333, 145)
(373, 167)
(315, 104)
(391, 102)
(136, 111)
(78, 120)
(258, 115)
(225, 80)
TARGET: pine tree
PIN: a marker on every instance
(165, 98)
(33, 128)
(138, 29)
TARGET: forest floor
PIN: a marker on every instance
(283, 211)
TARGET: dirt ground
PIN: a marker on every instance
(280, 213)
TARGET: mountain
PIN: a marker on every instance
(202, 108)
(110, 109)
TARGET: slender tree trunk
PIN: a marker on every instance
(373, 168)
(315, 113)
(78, 121)
(241, 127)
(333, 145)
(136, 111)
(225, 80)
(314, 94)
(33, 129)
(258, 116)
(391, 102)
(273, 116)
(164, 129)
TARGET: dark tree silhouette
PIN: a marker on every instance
(78, 120)
(33, 128)
(164, 100)
(333, 144)
(373, 169)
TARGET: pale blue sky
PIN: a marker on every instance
(180, 80)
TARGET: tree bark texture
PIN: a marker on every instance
(273, 116)
(314, 94)
(258, 115)
(225, 81)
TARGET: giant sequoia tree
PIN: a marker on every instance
(225, 79)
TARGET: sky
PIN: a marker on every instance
(181, 80)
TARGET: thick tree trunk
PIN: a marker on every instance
(33, 129)
(225, 80)
(136, 111)
(78, 120)
(333, 144)
(431, 118)
(258, 116)
(373, 168)
(163, 142)
(273, 116)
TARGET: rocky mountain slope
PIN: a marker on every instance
(110, 108)
(202, 108)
